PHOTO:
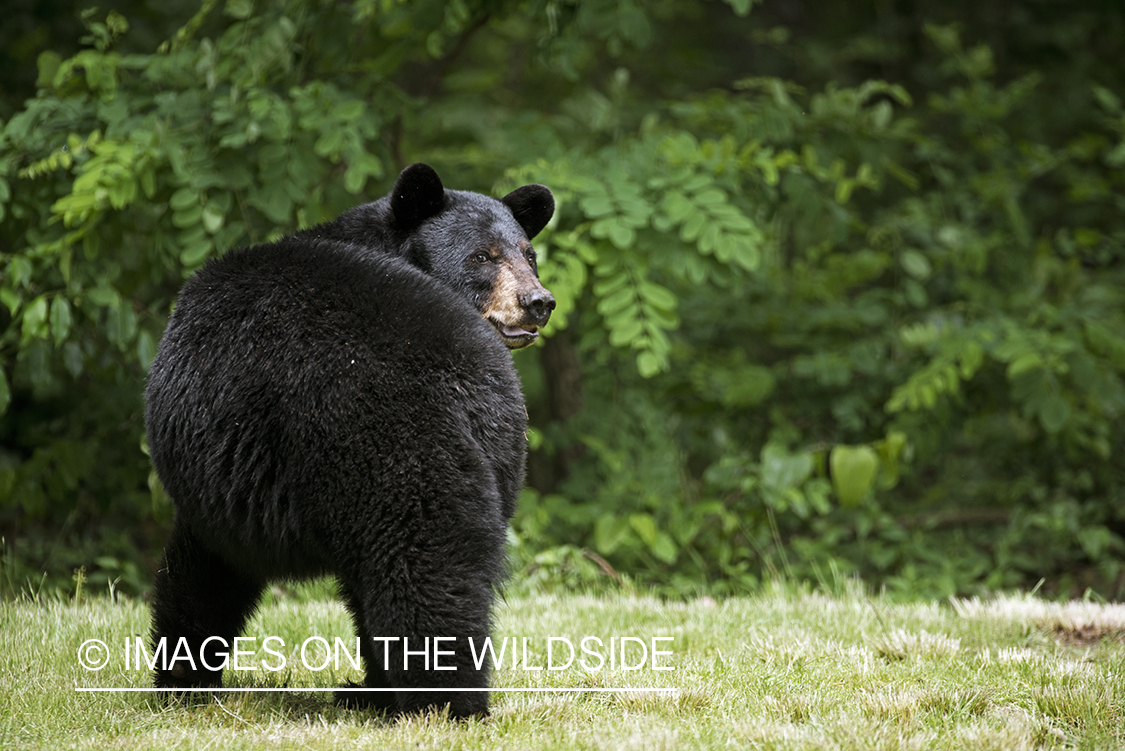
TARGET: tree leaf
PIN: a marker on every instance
(239, 8)
(34, 320)
(676, 206)
(60, 319)
(623, 298)
(648, 364)
(658, 296)
(1054, 413)
(623, 334)
(597, 205)
(5, 393)
(915, 264)
(782, 469)
(146, 349)
(11, 299)
(183, 199)
(645, 527)
(212, 218)
(188, 217)
(610, 530)
(622, 235)
(665, 548)
(890, 451)
(194, 254)
(853, 473)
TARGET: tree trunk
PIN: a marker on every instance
(562, 375)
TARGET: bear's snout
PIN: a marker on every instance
(538, 303)
(519, 305)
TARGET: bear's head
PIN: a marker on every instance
(478, 245)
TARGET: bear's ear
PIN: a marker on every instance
(532, 206)
(417, 196)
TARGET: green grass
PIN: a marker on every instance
(779, 670)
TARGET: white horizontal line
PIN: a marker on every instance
(264, 690)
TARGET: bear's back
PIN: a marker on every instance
(296, 380)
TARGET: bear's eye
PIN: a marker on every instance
(482, 257)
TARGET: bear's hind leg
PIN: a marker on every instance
(375, 674)
(197, 596)
(435, 623)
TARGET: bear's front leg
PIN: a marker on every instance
(199, 604)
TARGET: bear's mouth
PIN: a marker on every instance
(515, 337)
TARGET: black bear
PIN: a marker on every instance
(342, 401)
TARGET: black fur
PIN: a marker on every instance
(321, 404)
(442, 238)
(532, 206)
(418, 194)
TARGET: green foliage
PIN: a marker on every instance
(905, 372)
(659, 211)
(816, 320)
(132, 170)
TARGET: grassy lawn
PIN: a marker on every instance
(778, 670)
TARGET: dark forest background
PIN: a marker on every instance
(841, 285)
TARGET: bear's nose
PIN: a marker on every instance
(539, 303)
